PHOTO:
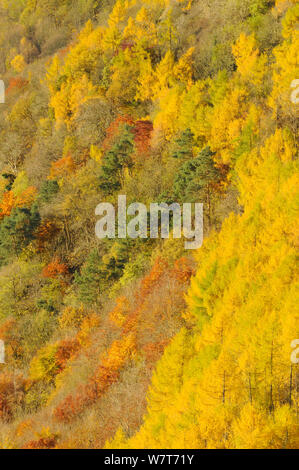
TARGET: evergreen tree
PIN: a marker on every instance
(116, 161)
(197, 179)
(17, 230)
(89, 279)
(48, 190)
(183, 146)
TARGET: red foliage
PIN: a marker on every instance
(148, 283)
(153, 351)
(142, 136)
(16, 84)
(150, 339)
(72, 406)
(123, 46)
(153, 278)
(45, 232)
(10, 335)
(86, 395)
(6, 328)
(42, 443)
(183, 269)
(64, 51)
(67, 349)
(141, 130)
(12, 392)
(126, 45)
(114, 130)
(105, 375)
(55, 269)
(158, 305)
(63, 167)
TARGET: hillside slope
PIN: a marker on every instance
(140, 343)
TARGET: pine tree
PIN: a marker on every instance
(18, 230)
(116, 161)
(197, 181)
(183, 148)
(89, 279)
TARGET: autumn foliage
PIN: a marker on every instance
(12, 393)
(105, 375)
(141, 130)
(63, 167)
(16, 84)
(122, 342)
(10, 200)
(55, 269)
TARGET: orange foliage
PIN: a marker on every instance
(141, 130)
(152, 279)
(8, 335)
(7, 204)
(147, 285)
(45, 440)
(27, 197)
(142, 136)
(124, 349)
(42, 443)
(153, 351)
(64, 51)
(107, 373)
(63, 167)
(23, 427)
(72, 406)
(66, 350)
(119, 352)
(55, 269)
(10, 201)
(153, 330)
(114, 130)
(45, 232)
(6, 328)
(86, 326)
(183, 269)
(16, 84)
(12, 391)
(118, 314)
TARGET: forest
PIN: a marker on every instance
(140, 343)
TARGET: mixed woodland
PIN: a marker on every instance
(139, 343)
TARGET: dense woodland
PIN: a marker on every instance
(139, 343)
